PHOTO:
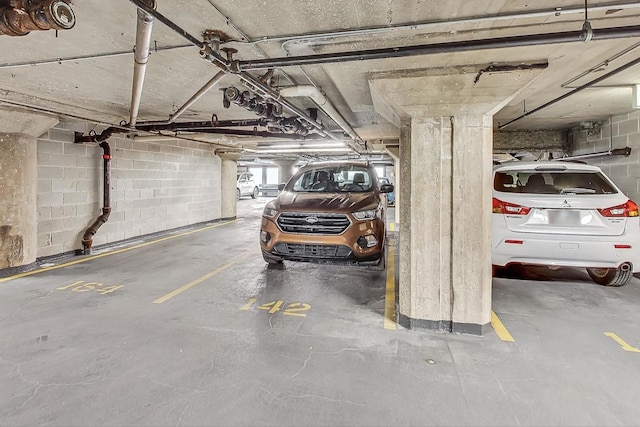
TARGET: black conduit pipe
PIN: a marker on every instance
(97, 137)
(435, 48)
(578, 89)
(87, 239)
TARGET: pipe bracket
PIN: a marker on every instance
(587, 31)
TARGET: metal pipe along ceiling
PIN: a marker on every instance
(325, 105)
(322, 102)
(419, 26)
(204, 89)
(214, 57)
(578, 89)
(428, 49)
(141, 57)
(240, 68)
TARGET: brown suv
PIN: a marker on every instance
(327, 212)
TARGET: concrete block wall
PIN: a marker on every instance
(155, 186)
(618, 132)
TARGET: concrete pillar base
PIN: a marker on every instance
(443, 325)
(12, 271)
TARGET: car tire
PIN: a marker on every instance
(237, 194)
(255, 193)
(610, 276)
(496, 271)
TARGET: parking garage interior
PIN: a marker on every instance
(133, 288)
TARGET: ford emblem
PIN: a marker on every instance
(311, 219)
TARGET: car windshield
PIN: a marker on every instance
(556, 182)
(335, 179)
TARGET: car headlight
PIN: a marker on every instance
(270, 210)
(368, 214)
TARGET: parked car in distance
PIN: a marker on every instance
(246, 186)
(391, 200)
(564, 214)
(328, 212)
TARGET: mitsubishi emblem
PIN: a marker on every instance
(566, 204)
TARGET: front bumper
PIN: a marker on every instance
(340, 249)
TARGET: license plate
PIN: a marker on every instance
(563, 217)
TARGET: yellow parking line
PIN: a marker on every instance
(623, 344)
(66, 264)
(500, 329)
(190, 285)
(390, 293)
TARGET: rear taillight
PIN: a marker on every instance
(625, 210)
(509, 208)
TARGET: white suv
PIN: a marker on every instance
(564, 214)
(246, 186)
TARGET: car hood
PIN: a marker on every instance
(326, 202)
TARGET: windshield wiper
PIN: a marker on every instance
(577, 190)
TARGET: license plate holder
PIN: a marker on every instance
(563, 217)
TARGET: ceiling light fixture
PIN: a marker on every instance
(323, 145)
(303, 150)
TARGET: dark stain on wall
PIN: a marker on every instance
(11, 248)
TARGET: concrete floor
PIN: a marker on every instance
(190, 330)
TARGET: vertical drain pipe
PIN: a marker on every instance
(87, 239)
(141, 57)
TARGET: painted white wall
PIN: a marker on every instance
(155, 186)
(618, 132)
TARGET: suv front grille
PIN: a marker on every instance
(313, 223)
(312, 251)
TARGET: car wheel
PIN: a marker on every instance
(255, 192)
(610, 276)
(237, 194)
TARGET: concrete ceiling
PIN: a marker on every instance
(87, 71)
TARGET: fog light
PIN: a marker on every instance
(264, 237)
(369, 241)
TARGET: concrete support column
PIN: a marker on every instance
(445, 229)
(228, 184)
(394, 152)
(18, 190)
(285, 170)
(18, 186)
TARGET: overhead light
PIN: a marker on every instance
(636, 96)
(302, 150)
(322, 145)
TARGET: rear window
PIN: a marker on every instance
(345, 178)
(556, 182)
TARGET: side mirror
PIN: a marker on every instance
(281, 186)
(386, 188)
